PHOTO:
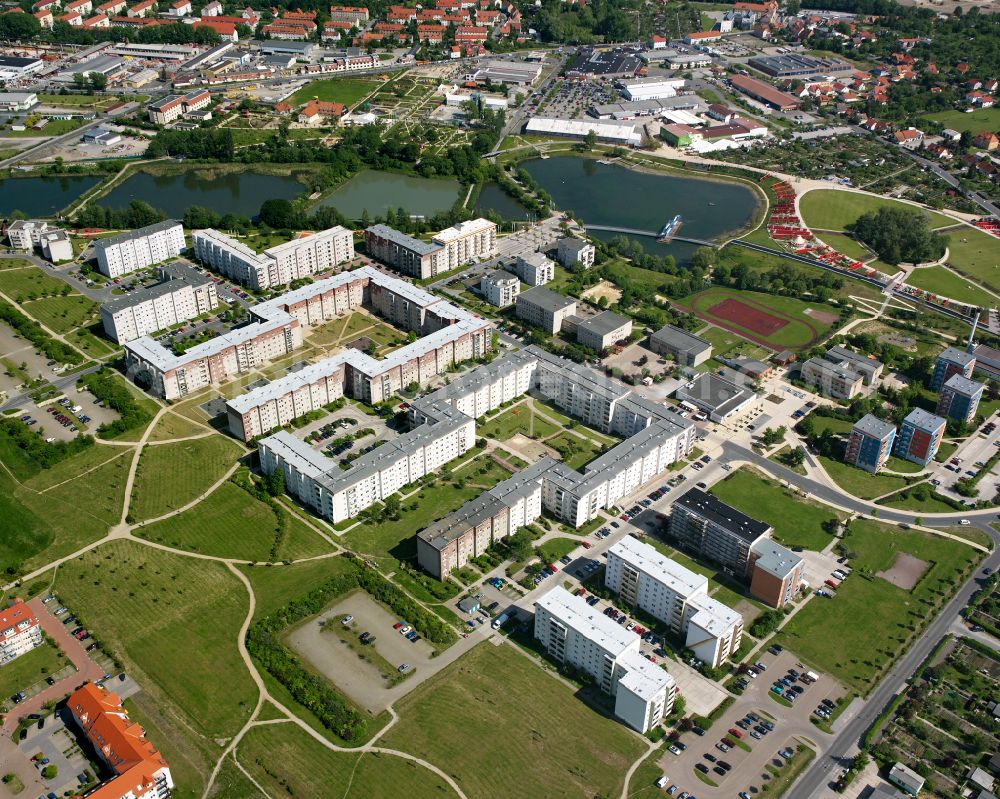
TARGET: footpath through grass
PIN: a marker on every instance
(938, 280)
(796, 522)
(859, 633)
(543, 740)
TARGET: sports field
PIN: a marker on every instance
(833, 209)
(542, 740)
(939, 280)
(775, 322)
(832, 635)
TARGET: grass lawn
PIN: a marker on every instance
(286, 761)
(276, 586)
(396, 538)
(907, 500)
(834, 209)
(555, 548)
(983, 119)
(58, 510)
(643, 782)
(550, 743)
(977, 254)
(843, 243)
(834, 425)
(903, 465)
(171, 475)
(29, 668)
(173, 426)
(722, 340)
(56, 127)
(335, 90)
(519, 419)
(859, 482)
(938, 280)
(75, 99)
(29, 283)
(624, 274)
(945, 451)
(62, 314)
(796, 521)
(230, 523)
(575, 451)
(798, 331)
(174, 621)
(833, 635)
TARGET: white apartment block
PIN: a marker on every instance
(140, 248)
(26, 234)
(56, 246)
(468, 241)
(278, 265)
(184, 294)
(500, 288)
(574, 633)
(534, 269)
(20, 632)
(645, 578)
(570, 249)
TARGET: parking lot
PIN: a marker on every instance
(756, 746)
(364, 681)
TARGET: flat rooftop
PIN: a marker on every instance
(593, 625)
(709, 507)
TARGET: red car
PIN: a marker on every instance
(587, 545)
(736, 732)
(397, 625)
(832, 583)
(553, 567)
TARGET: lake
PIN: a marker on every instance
(42, 196)
(608, 194)
(376, 192)
(493, 198)
(239, 193)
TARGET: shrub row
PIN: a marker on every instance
(116, 396)
(31, 330)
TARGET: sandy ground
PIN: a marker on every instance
(905, 572)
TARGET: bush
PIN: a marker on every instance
(107, 388)
(54, 350)
(50, 772)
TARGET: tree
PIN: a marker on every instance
(393, 506)
(899, 234)
(19, 27)
(278, 213)
(99, 81)
(590, 140)
(274, 483)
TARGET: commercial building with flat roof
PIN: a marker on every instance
(685, 348)
(14, 67)
(511, 73)
(575, 633)
(645, 578)
(610, 132)
(959, 398)
(545, 308)
(870, 443)
(920, 436)
(137, 249)
(720, 398)
(708, 527)
(600, 331)
(952, 361)
(183, 294)
(799, 65)
(650, 88)
(618, 62)
(17, 101)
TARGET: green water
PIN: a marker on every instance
(608, 194)
(239, 193)
(42, 196)
(376, 192)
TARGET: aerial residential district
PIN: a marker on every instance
(494, 399)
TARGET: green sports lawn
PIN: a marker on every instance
(863, 630)
(174, 622)
(799, 331)
(335, 90)
(938, 280)
(796, 522)
(504, 727)
(976, 254)
(171, 475)
(983, 119)
(834, 209)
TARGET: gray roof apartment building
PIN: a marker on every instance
(544, 308)
(600, 331)
(832, 379)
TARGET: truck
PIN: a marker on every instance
(811, 676)
(500, 621)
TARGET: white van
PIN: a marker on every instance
(662, 782)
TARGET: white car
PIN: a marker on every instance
(405, 629)
(964, 522)
(674, 749)
(346, 620)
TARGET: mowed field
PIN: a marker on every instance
(834, 209)
(503, 727)
(976, 254)
(775, 322)
(859, 633)
(174, 619)
(983, 119)
(796, 521)
(335, 90)
(286, 761)
(938, 280)
(172, 475)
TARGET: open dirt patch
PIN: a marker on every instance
(824, 317)
(603, 289)
(529, 449)
(906, 571)
(753, 319)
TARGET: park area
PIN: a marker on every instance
(347, 91)
(834, 209)
(549, 742)
(942, 281)
(797, 522)
(975, 253)
(772, 321)
(840, 635)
